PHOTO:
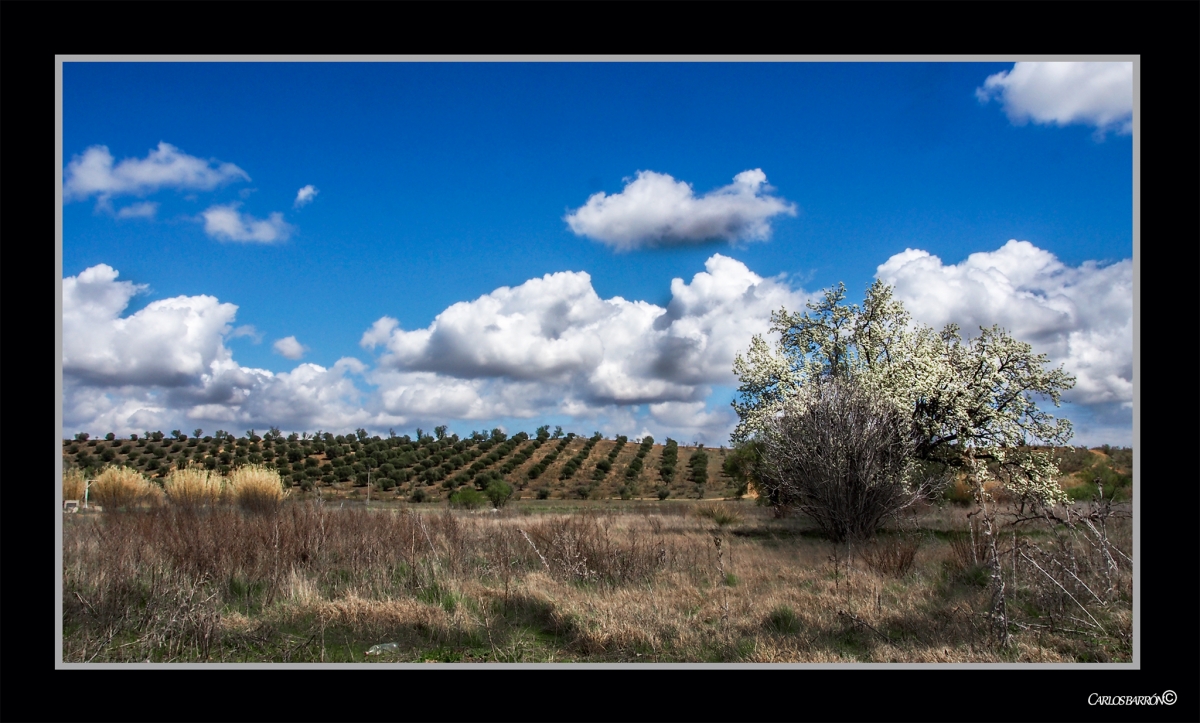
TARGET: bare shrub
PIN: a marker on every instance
(843, 458)
(118, 487)
(895, 557)
(256, 488)
(193, 487)
(1078, 576)
(580, 548)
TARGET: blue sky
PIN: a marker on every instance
(433, 185)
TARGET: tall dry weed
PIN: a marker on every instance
(118, 487)
(73, 484)
(256, 488)
(194, 487)
(720, 514)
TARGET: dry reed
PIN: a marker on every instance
(118, 487)
(255, 488)
(73, 484)
(194, 486)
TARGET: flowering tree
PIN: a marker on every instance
(972, 405)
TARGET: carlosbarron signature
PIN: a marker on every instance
(1167, 697)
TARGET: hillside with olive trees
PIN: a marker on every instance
(545, 465)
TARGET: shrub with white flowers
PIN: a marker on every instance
(972, 405)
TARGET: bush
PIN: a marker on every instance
(193, 487)
(256, 488)
(418, 495)
(543, 493)
(499, 492)
(783, 620)
(663, 493)
(467, 498)
(842, 458)
(117, 487)
(720, 514)
(1088, 491)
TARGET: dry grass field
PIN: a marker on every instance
(582, 581)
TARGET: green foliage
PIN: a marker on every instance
(1070, 460)
(499, 492)
(1120, 456)
(783, 620)
(467, 498)
(670, 456)
(698, 463)
(572, 466)
(1090, 491)
(743, 465)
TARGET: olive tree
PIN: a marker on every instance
(972, 405)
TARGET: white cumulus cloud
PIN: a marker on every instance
(289, 347)
(145, 209)
(305, 196)
(548, 348)
(553, 345)
(94, 173)
(246, 330)
(1081, 317)
(1063, 93)
(656, 210)
(167, 343)
(688, 421)
(226, 223)
(166, 366)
